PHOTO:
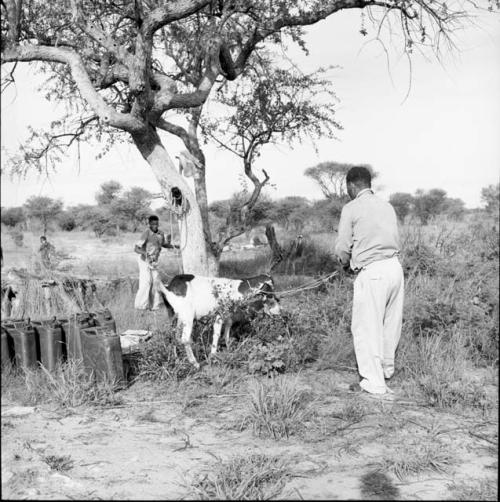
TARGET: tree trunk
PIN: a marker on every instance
(192, 240)
(213, 259)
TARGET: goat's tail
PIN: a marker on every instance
(164, 295)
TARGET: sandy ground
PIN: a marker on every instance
(154, 444)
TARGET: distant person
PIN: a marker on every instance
(46, 252)
(368, 239)
(148, 247)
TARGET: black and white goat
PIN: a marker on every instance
(193, 297)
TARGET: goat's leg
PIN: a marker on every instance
(187, 330)
(227, 331)
(217, 329)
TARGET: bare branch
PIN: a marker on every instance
(106, 113)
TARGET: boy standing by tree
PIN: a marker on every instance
(46, 250)
(148, 247)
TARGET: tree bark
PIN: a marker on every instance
(192, 240)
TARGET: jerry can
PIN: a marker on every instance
(51, 339)
(104, 319)
(102, 353)
(72, 330)
(7, 348)
(26, 346)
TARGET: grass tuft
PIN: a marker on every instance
(415, 458)
(248, 477)
(277, 408)
(59, 463)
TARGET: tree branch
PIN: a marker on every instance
(173, 11)
(107, 114)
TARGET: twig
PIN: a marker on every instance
(480, 436)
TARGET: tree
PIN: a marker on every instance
(490, 197)
(268, 105)
(292, 210)
(120, 66)
(108, 192)
(402, 203)
(132, 207)
(12, 216)
(44, 209)
(454, 208)
(67, 221)
(330, 177)
(428, 203)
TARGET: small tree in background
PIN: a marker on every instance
(132, 208)
(454, 208)
(268, 105)
(67, 221)
(12, 216)
(402, 203)
(44, 209)
(490, 197)
(428, 203)
(108, 192)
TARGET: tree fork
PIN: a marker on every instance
(192, 240)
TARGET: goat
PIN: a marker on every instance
(193, 297)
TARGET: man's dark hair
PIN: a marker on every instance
(153, 217)
(359, 175)
(43, 237)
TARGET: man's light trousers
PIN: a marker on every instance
(377, 315)
(147, 294)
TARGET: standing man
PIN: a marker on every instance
(368, 239)
(148, 247)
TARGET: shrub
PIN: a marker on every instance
(163, 358)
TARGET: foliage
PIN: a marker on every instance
(330, 177)
(132, 208)
(490, 197)
(67, 221)
(108, 193)
(45, 209)
(428, 203)
(12, 216)
(402, 204)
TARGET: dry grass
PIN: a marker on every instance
(248, 477)
(277, 408)
(480, 489)
(415, 457)
(70, 385)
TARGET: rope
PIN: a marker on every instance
(306, 287)
(177, 251)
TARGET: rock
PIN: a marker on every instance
(18, 411)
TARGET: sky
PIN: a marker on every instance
(445, 133)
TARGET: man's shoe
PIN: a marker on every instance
(355, 387)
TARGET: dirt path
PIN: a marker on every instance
(153, 450)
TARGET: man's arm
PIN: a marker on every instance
(344, 242)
